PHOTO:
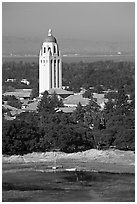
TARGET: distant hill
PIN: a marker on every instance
(31, 45)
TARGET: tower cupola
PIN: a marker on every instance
(50, 37)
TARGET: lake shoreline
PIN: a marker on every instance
(108, 161)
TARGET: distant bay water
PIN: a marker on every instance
(72, 58)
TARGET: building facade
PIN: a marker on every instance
(50, 65)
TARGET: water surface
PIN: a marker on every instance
(36, 186)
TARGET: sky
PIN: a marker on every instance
(73, 24)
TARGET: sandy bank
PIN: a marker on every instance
(100, 160)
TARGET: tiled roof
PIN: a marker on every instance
(66, 109)
(99, 97)
(32, 106)
(21, 93)
(9, 107)
(60, 92)
(16, 112)
(74, 100)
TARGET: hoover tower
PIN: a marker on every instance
(50, 65)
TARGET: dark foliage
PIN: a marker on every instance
(100, 75)
(120, 123)
(57, 131)
(19, 137)
(63, 133)
(49, 103)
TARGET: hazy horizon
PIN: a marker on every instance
(78, 27)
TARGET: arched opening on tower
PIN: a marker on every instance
(54, 73)
(58, 74)
(54, 49)
(51, 74)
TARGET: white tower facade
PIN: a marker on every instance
(50, 65)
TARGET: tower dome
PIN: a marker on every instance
(50, 37)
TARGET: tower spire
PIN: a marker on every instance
(49, 32)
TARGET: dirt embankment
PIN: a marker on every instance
(100, 160)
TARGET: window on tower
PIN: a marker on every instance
(51, 74)
(49, 49)
(54, 73)
(44, 50)
(54, 49)
(58, 73)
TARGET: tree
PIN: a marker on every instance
(125, 139)
(45, 105)
(31, 118)
(19, 137)
(34, 93)
(78, 114)
(92, 114)
(56, 102)
(111, 95)
(117, 132)
(99, 89)
(49, 103)
(109, 109)
(67, 137)
(88, 93)
(122, 105)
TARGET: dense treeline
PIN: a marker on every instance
(119, 117)
(86, 128)
(44, 131)
(19, 71)
(110, 74)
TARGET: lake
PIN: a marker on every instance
(65, 186)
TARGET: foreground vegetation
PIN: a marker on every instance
(86, 128)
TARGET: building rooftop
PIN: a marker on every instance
(19, 93)
(74, 100)
(32, 106)
(66, 109)
(9, 107)
(60, 92)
